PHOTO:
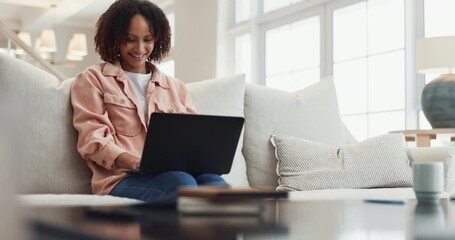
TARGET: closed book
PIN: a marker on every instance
(224, 200)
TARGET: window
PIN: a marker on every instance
(271, 5)
(171, 19)
(290, 44)
(168, 67)
(242, 10)
(168, 64)
(292, 55)
(370, 77)
(243, 56)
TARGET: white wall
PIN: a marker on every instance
(195, 50)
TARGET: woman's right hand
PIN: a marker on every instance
(127, 161)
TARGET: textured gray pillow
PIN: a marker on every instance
(376, 162)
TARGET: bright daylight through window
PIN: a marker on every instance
(366, 45)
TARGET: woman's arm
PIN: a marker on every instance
(90, 119)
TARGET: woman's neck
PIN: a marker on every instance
(143, 69)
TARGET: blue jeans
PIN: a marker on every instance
(163, 187)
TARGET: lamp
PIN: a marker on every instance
(437, 55)
(44, 55)
(25, 37)
(48, 42)
(77, 47)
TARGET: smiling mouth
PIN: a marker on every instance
(137, 56)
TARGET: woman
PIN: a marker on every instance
(112, 102)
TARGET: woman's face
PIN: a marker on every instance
(137, 45)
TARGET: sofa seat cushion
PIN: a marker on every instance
(348, 194)
(73, 200)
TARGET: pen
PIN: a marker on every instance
(394, 202)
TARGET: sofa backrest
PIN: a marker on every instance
(49, 162)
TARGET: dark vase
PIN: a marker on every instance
(438, 101)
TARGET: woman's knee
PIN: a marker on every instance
(210, 179)
(179, 178)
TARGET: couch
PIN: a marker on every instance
(38, 141)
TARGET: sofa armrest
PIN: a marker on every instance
(432, 154)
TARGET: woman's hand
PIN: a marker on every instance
(127, 161)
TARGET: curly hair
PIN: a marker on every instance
(112, 28)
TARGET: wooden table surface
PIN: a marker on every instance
(423, 137)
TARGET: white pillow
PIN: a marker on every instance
(224, 96)
(49, 161)
(376, 162)
(311, 113)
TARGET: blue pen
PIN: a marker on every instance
(394, 202)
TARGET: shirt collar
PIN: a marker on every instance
(115, 70)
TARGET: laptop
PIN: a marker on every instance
(192, 143)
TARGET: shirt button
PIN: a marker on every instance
(122, 101)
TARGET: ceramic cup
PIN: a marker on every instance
(428, 180)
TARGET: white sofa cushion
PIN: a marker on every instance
(311, 113)
(224, 96)
(49, 162)
(377, 162)
(73, 200)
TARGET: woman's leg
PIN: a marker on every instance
(210, 179)
(150, 188)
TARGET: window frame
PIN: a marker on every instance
(260, 22)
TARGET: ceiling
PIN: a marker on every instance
(34, 15)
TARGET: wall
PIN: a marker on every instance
(195, 50)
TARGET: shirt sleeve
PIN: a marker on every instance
(95, 140)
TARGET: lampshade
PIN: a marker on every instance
(77, 47)
(25, 37)
(436, 55)
(44, 55)
(48, 42)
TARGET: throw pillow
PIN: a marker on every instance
(373, 163)
(224, 96)
(311, 113)
(48, 161)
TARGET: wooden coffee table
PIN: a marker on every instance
(350, 219)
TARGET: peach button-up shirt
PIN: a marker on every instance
(110, 118)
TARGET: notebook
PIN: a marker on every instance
(192, 143)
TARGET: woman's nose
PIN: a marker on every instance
(140, 46)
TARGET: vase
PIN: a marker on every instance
(438, 101)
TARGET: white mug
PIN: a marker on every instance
(428, 180)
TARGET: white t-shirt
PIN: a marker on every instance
(140, 82)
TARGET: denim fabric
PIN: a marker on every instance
(163, 187)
